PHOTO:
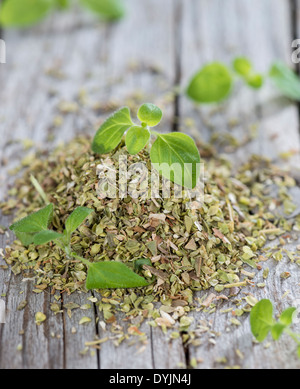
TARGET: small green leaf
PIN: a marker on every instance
(298, 351)
(111, 132)
(136, 139)
(150, 114)
(287, 316)
(277, 329)
(46, 236)
(177, 158)
(286, 80)
(36, 222)
(255, 80)
(25, 238)
(261, 319)
(107, 9)
(242, 66)
(112, 274)
(211, 84)
(76, 218)
(16, 13)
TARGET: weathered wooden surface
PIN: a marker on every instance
(158, 46)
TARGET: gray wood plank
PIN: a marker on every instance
(77, 332)
(24, 343)
(168, 353)
(150, 348)
(122, 350)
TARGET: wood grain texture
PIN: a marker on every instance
(73, 58)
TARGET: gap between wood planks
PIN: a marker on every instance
(177, 62)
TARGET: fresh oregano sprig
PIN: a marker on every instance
(211, 84)
(16, 13)
(108, 274)
(244, 68)
(174, 155)
(214, 82)
(286, 80)
(262, 322)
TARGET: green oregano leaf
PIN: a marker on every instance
(46, 236)
(136, 139)
(177, 158)
(16, 13)
(244, 68)
(286, 80)
(150, 114)
(107, 9)
(76, 218)
(262, 322)
(111, 274)
(211, 84)
(36, 222)
(277, 330)
(261, 319)
(287, 315)
(111, 132)
(25, 237)
(255, 80)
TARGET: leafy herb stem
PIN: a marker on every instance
(83, 260)
(16, 13)
(107, 274)
(153, 132)
(174, 155)
(262, 322)
(68, 250)
(293, 335)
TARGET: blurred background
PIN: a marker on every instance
(71, 66)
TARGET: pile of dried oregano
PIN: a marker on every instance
(183, 250)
